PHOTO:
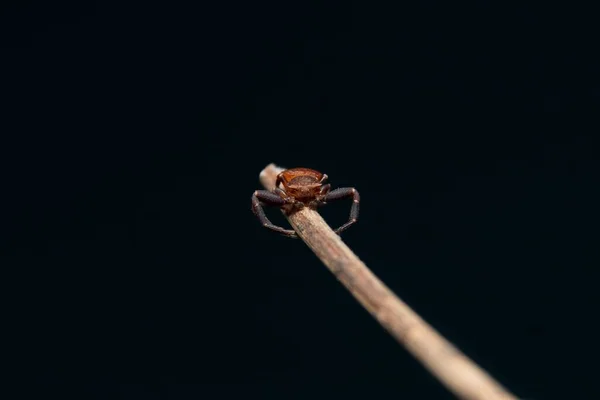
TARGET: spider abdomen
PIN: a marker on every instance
(303, 180)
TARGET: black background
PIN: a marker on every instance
(132, 136)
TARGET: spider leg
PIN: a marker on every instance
(319, 200)
(342, 193)
(269, 199)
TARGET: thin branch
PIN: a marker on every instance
(448, 364)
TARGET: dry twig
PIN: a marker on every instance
(449, 365)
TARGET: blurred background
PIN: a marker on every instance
(132, 137)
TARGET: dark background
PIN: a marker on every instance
(132, 136)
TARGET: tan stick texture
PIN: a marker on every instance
(449, 365)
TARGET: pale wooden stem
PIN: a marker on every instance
(449, 365)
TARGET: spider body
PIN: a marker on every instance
(302, 184)
(296, 188)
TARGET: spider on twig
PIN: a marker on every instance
(297, 188)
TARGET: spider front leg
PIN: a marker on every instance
(270, 199)
(342, 193)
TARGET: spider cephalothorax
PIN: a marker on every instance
(299, 187)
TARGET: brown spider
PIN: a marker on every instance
(301, 187)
